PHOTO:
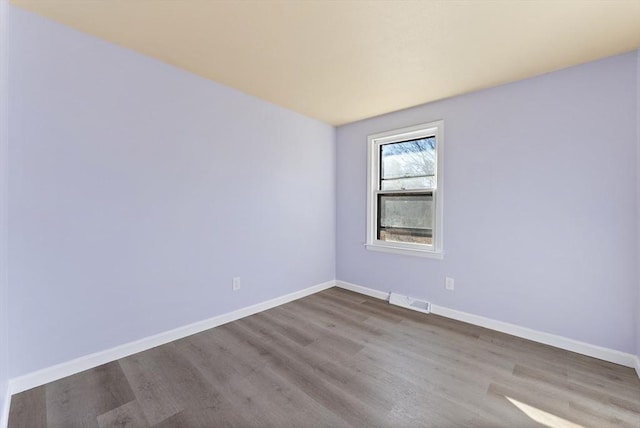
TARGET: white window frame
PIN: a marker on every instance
(431, 129)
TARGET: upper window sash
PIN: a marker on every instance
(408, 164)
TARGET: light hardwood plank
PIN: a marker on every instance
(29, 409)
(128, 415)
(78, 400)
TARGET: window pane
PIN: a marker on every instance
(408, 165)
(405, 218)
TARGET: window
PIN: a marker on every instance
(405, 190)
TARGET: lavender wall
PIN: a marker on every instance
(539, 204)
(4, 146)
(139, 190)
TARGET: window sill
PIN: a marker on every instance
(406, 251)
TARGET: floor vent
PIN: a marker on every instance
(410, 303)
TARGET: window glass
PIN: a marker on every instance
(406, 218)
(408, 165)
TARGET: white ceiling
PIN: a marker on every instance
(341, 61)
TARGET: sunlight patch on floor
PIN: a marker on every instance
(542, 417)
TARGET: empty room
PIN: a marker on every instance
(315, 213)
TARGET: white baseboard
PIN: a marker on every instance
(561, 342)
(50, 374)
(4, 417)
(363, 290)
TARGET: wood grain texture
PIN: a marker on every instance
(339, 359)
(77, 401)
(29, 409)
(129, 415)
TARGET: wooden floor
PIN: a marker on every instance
(339, 359)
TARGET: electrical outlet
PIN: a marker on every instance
(448, 283)
(235, 284)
